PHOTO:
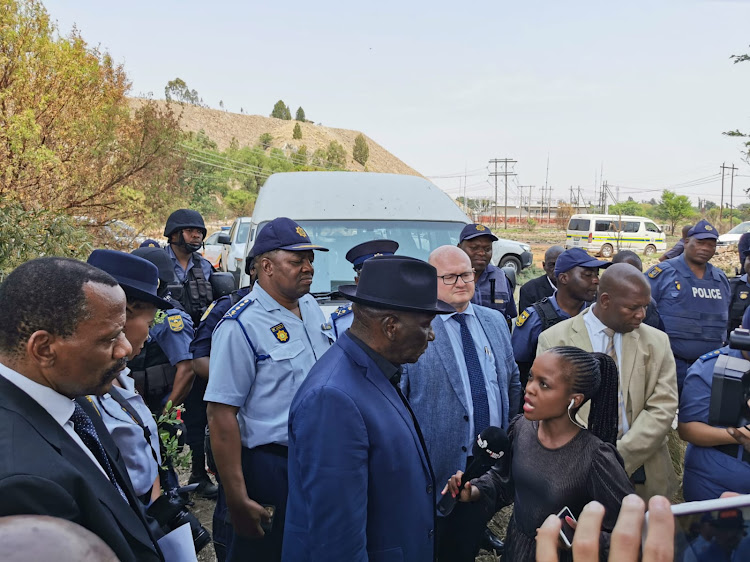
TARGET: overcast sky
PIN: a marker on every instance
(642, 90)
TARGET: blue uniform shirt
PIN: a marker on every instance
(180, 273)
(708, 472)
(341, 319)
(695, 311)
(137, 453)
(201, 344)
(503, 295)
(260, 354)
(528, 327)
(173, 331)
(486, 360)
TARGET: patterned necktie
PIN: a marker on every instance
(84, 427)
(610, 333)
(476, 377)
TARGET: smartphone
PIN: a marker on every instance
(566, 531)
(272, 510)
(721, 522)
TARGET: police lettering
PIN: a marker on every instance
(707, 293)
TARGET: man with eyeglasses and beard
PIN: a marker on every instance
(466, 381)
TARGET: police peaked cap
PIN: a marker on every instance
(360, 253)
(139, 278)
(184, 218)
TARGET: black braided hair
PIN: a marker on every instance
(595, 376)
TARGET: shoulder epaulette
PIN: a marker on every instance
(342, 311)
(654, 272)
(522, 318)
(710, 354)
(234, 312)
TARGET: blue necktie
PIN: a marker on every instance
(85, 429)
(476, 377)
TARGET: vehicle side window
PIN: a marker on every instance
(579, 224)
(631, 226)
(651, 227)
(232, 231)
(212, 239)
(242, 232)
(603, 226)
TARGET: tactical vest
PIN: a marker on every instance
(153, 374)
(694, 325)
(739, 302)
(197, 293)
(547, 313)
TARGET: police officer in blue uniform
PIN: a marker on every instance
(185, 231)
(492, 288)
(201, 350)
(740, 289)
(577, 276)
(164, 370)
(122, 409)
(719, 463)
(693, 298)
(261, 351)
(342, 317)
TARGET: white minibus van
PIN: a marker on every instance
(604, 235)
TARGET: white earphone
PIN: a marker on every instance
(572, 403)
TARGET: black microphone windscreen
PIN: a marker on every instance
(491, 441)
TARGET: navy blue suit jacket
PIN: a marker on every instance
(360, 483)
(436, 393)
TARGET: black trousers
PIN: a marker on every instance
(195, 417)
(267, 482)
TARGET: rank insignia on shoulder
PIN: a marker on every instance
(208, 311)
(499, 301)
(654, 272)
(677, 285)
(279, 330)
(326, 326)
(710, 354)
(343, 310)
(521, 319)
(743, 295)
(175, 323)
(237, 308)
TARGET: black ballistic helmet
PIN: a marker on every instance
(184, 218)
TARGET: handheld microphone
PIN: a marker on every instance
(490, 446)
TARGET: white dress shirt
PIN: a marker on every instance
(599, 343)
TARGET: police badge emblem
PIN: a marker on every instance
(279, 330)
(301, 231)
(175, 323)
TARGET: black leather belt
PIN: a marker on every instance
(273, 449)
(731, 450)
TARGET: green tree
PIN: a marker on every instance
(335, 155)
(70, 140)
(361, 151)
(300, 157)
(281, 111)
(629, 207)
(300, 114)
(673, 207)
(241, 202)
(297, 133)
(178, 90)
(265, 140)
(736, 132)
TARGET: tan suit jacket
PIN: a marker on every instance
(649, 381)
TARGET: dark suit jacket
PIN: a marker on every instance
(44, 472)
(435, 390)
(533, 291)
(360, 484)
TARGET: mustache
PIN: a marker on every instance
(114, 371)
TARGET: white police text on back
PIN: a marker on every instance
(707, 293)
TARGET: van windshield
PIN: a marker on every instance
(415, 238)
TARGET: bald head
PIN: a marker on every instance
(453, 264)
(38, 537)
(550, 259)
(624, 295)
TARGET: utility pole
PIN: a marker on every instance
(731, 193)
(528, 205)
(505, 174)
(721, 204)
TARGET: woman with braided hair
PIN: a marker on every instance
(555, 462)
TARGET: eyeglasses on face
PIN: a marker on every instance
(452, 278)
